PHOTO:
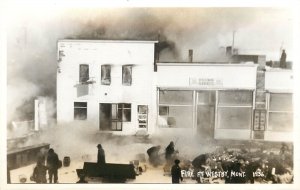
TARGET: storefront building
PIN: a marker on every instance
(118, 87)
(211, 100)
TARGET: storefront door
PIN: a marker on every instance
(206, 113)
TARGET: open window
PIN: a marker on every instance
(127, 75)
(83, 73)
(105, 74)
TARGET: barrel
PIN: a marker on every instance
(67, 161)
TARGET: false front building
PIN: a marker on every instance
(107, 85)
(120, 88)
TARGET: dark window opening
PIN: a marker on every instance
(80, 110)
(83, 73)
(127, 75)
(105, 74)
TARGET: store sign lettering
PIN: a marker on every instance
(206, 82)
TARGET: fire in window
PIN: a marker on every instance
(80, 110)
(83, 73)
(105, 74)
(127, 75)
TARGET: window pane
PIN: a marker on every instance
(181, 117)
(105, 74)
(80, 104)
(127, 105)
(84, 73)
(142, 109)
(114, 111)
(120, 113)
(113, 126)
(280, 121)
(176, 97)
(206, 97)
(234, 118)
(127, 75)
(235, 98)
(281, 102)
(126, 115)
(163, 110)
(119, 126)
(80, 113)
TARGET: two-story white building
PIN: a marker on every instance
(107, 85)
(118, 87)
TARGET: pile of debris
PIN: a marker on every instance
(244, 166)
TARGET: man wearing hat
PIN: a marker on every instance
(176, 172)
(101, 155)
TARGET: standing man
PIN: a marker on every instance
(101, 155)
(170, 151)
(176, 172)
(53, 165)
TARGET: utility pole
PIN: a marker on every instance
(232, 50)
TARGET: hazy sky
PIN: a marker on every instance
(33, 33)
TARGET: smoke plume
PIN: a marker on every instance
(32, 38)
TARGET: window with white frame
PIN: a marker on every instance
(280, 112)
(120, 113)
(234, 109)
(175, 108)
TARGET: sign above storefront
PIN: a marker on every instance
(205, 82)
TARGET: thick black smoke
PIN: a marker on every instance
(32, 39)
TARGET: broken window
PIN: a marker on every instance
(280, 112)
(127, 75)
(105, 74)
(175, 108)
(80, 110)
(83, 73)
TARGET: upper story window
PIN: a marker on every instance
(105, 74)
(127, 75)
(83, 73)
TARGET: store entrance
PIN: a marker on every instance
(206, 103)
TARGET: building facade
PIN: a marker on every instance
(106, 85)
(119, 87)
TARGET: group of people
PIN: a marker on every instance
(170, 155)
(52, 164)
(49, 161)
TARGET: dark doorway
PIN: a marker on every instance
(105, 117)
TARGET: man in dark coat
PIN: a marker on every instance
(101, 155)
(176, 172)
(154, 158)
(170, 151)
(53, 165)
